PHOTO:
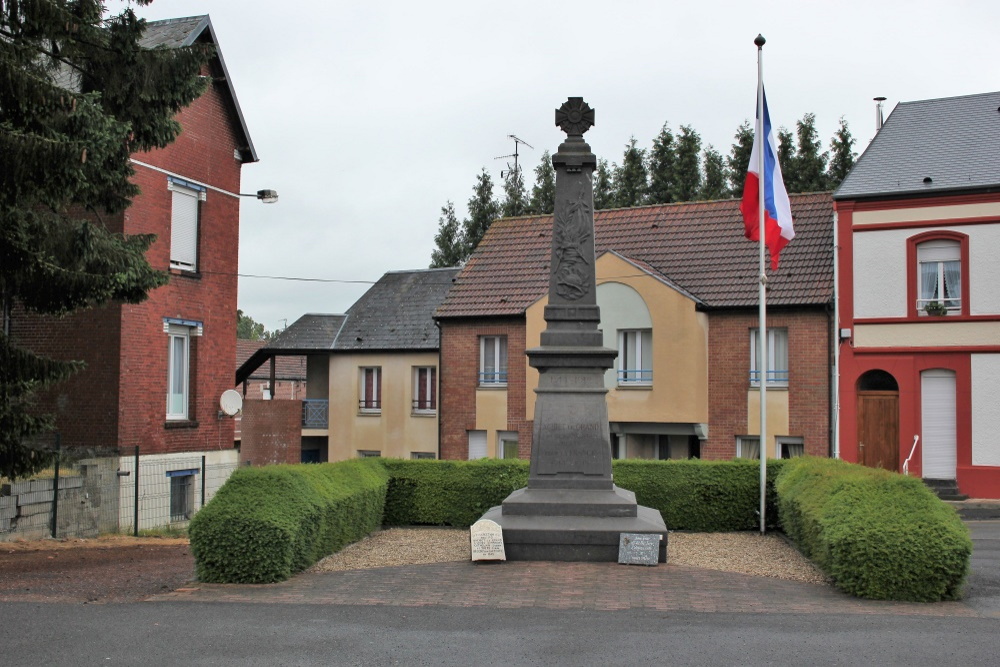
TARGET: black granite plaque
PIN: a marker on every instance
(639, 548)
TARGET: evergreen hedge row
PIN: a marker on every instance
(877, 534)
(268, 523)
(705, 496)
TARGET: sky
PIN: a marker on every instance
(368, 117)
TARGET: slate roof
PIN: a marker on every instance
(396, 313)
(697, 246)
(181, 32)
(955, 141)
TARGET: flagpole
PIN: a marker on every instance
(762, 329)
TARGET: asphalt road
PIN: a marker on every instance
(184, 633)
(983, 590)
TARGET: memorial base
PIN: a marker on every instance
(573, 524)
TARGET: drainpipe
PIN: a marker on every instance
(835, 380)
(440, 381)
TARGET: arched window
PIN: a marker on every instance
(939, 280)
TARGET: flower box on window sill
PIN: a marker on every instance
(935, 309)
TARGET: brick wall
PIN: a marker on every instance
(272, 432)
(729, 370)
(460, 377)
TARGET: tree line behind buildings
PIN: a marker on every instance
(677, 168)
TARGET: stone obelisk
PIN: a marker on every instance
(571, 510)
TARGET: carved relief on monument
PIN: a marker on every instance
(573, 225)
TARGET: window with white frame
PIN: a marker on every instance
(939, 277)
(635, 357)
(425, 390)
(178, 370)
(747, 447)
(507, 444)
(184, 219)
(477, 445)
(493, 361)
(789, 447)
(370, 390)
(777, 358)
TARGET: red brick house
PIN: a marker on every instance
(289, 378)
(678, 292)
(155, 370)
(918, 228)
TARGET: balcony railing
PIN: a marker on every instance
(315, 413)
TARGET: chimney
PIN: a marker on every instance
(878, 113)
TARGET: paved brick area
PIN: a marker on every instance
(587, 586)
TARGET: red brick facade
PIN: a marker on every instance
(272, 431)
(809, 382)
(119, 400)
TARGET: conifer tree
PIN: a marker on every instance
(515, 201)
(661, 167)
(843, 157)
(738, 160)
(450, 246)
(78, 95)
(810, 164)
(686, 182)
(629, 181)
(483, 210)
(604, 194)
(786, 159)
(714, 185)
(543, 193)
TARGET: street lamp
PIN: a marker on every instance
(266, 196)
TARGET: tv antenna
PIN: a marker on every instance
(517, 143)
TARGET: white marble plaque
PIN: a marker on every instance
(487, 540)
(639, 548)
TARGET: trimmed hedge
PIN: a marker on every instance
(267, 523)
(448, 493)
(702, 496)
(691, 495)
(877, 534)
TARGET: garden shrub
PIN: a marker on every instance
(877, 534)
(267, 523)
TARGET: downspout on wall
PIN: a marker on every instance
(835, 379)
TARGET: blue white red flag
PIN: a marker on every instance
(778, 229)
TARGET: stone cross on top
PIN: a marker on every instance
(575, 117)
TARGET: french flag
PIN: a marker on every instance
(777, 211)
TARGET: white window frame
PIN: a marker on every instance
(747, 441)
(777, 369)
(493, 361)
(477, 445)
(185, 223)
(641, 341)
(939, 257)
(429, 386)
(784, 441)
(375, 406)
(178, 371)
(505, 438)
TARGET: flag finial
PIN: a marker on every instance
(759, 41)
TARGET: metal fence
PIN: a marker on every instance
(88, 492)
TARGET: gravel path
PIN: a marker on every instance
(745, 553)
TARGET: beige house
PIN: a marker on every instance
(372, 372)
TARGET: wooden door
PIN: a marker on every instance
(878, 429)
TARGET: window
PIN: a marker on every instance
(747, 447)
(178, 371)
(507, 444)
(635, 358)
(369, 454)
(371, 390)
(422, 455)
(493, 361)
(477, 445)
(181, 494)
(777, 357)
(789, 447)
(184, 214)
(425, 390)
(939, 277)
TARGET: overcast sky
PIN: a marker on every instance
(369, 116)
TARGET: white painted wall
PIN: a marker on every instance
(880, 273)
(985, 413)
(984, 269)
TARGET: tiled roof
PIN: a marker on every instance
(397, 313)
(954, 141)
(286, 367)
(698, 246)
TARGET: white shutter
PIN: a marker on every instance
(938, 423)
(184, 230)
(477, 445)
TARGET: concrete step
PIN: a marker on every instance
(977, 508)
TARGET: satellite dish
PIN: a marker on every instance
(231, 402)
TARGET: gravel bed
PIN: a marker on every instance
(745, 553)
